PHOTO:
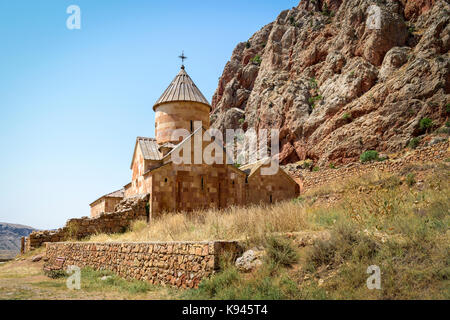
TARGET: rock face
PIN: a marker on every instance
(333, 85)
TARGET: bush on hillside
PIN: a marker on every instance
(281, 251)
(370, 155)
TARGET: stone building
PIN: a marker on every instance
(185, 187)
(107, 203)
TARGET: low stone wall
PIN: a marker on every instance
(180, 264)
(127, 211)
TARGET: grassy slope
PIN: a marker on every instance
(399, 222)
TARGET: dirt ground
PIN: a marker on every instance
(22, 279)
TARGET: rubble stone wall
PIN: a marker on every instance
(436, 152)
(180, 264)
(116, 222)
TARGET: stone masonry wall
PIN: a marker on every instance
(180, 264)
(270, 188)
(178, 115)
(126, 211)
(192, 187)
(310, 179)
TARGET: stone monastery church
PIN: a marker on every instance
(185, 187)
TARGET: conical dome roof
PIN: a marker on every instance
(182, 88)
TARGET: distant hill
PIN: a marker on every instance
(10, 235)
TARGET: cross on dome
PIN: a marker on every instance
(182, 57)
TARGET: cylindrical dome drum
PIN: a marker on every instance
(179, 115)
(179, 107)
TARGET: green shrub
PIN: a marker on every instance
(307, 164)
(325, 10)
(410, 179)
(332, 166)
(298, 200)
(447, 124)
(322, 254)
(347, 116)
(370, 155)
(257, 59)
(447, 108)
(413, 143)
(264, 284)
(443, 130)
(425, 124)
(312, 100)
(216, 284)
(248, 45)
(347, 242)
(281, 251)
(315, 169)
(292, 21)
(241, 121)
(55, 274)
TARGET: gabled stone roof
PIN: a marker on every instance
(251, 168)
(116, 194)
(149, 148)
(188, 139)
(182, 88)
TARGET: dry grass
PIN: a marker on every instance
(370, 199)
(253, 223)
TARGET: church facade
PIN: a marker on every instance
(175, 187)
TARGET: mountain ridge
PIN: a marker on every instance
(10, 235)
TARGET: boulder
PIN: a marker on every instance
(37, 258)
(249, 261)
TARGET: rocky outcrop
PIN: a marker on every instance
(333, 85)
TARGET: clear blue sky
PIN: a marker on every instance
(73, 101)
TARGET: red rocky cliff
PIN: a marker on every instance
(335, 87)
